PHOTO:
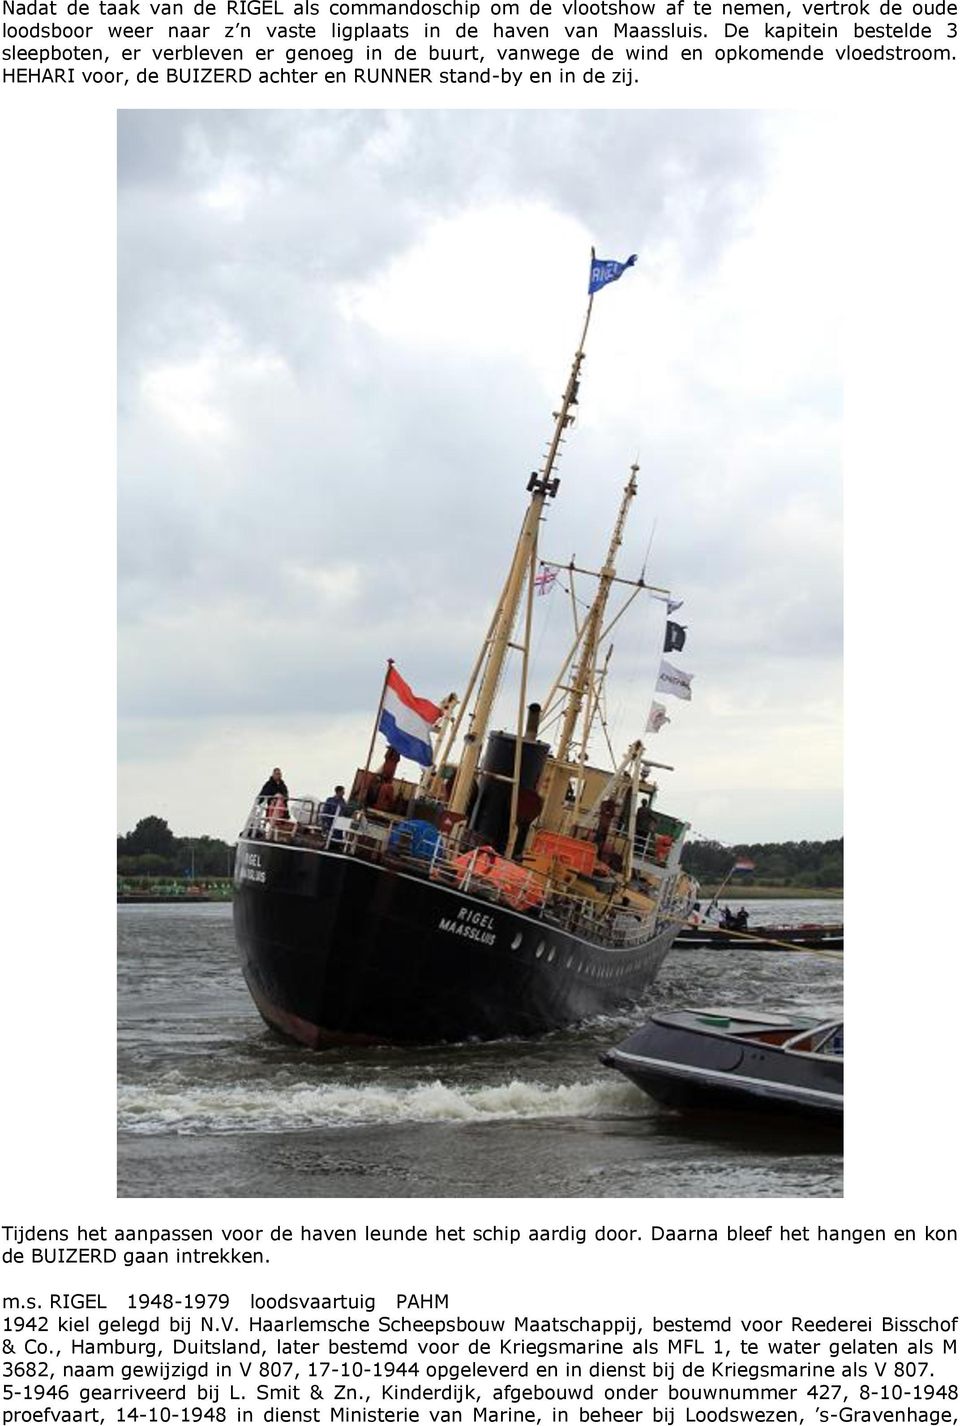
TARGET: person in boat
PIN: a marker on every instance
(741, 920)
(728, 920)
(273, 797)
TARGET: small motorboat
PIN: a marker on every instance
(737, 1061)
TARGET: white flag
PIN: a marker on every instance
(658, 716)
(674, 680)
(672, 604)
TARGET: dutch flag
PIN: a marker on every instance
(406, 720)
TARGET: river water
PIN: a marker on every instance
(211, 1103)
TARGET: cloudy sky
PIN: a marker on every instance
(342, 335)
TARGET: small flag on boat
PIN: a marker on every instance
(674, 680)
(544, 581)
(657, 718)
(744, 864)
(674, 638)
(605, 269)
(406, 720)
(672, 604)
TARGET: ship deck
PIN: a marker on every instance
(603, 913)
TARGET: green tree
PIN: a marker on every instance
(208, 856)
(151, 864)
(150, 835)
(151, 849)
(777, 863)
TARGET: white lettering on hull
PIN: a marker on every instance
(470, 925)
(251, 868)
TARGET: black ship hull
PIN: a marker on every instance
(337, 949)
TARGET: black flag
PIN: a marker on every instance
(675, 637)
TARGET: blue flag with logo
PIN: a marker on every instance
(605, 269)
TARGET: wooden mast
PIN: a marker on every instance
(541, 486)
(589, 638)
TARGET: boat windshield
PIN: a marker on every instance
(823, 1039)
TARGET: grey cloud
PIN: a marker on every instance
(404, 473)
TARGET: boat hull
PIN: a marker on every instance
(827, 938)
(694, 1070)
(336, 949)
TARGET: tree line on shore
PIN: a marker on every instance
(775, 863)
(151, 849)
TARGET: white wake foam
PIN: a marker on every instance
(172, 1106)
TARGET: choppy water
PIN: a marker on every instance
(212, 1104)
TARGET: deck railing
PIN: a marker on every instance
(457, 862)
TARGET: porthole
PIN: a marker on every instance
(552, 953)
(517, 941)
(541, 948)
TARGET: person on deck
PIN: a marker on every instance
(741, 919)
(334, 806)
(275, 785)
(604, 818)
(644, 824)
(273, 801)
